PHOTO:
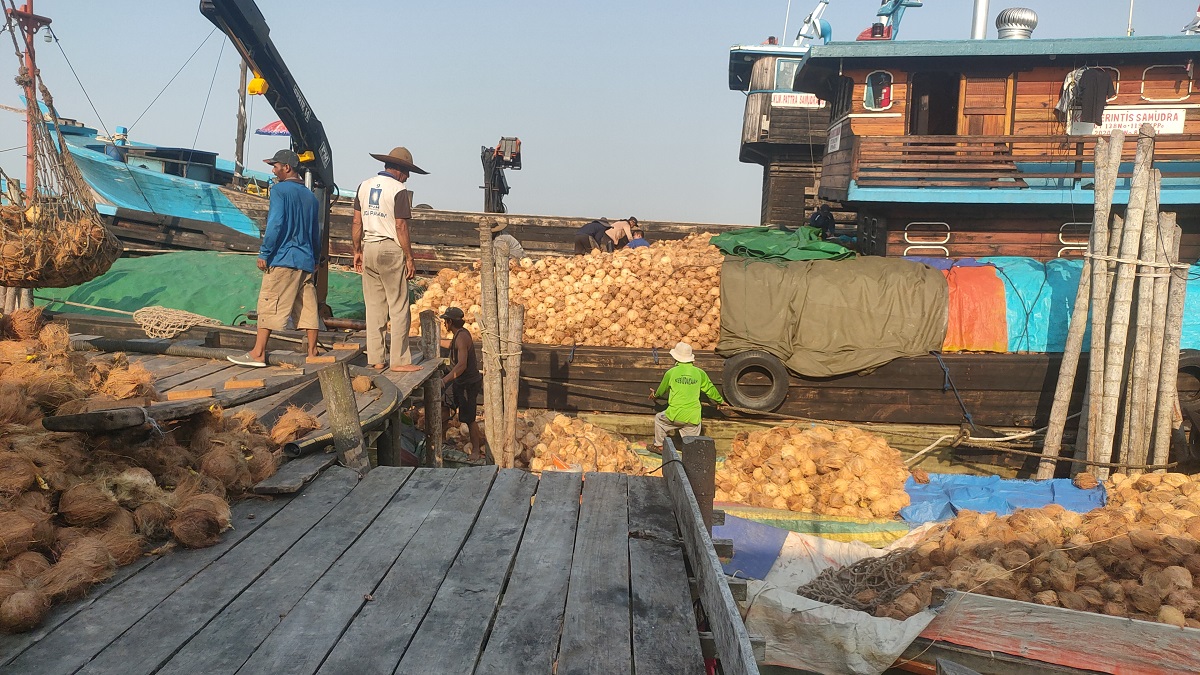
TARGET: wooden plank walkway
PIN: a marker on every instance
(468, 570)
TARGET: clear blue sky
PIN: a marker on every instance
(622, 106)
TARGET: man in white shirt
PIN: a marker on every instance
(383, 254)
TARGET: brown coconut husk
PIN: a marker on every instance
(133, 487)
(227, 464)
(125, 547)
(121, 522)
(12, 351)
(245, 421)
(23, 611)
(99, 367)
(16, 533)
(10, 582)
(263, 463)
(132, 382)
(44, 531)
(152, 520)
(17, 473)
(16, 407)
(28, 565)
(84, 563)
(48, 387)
(25, 324)
(293, 424)
(55, 339)
(34, 499)
(200, 520)
(1085, 481)
(362, 384)
(86, 505)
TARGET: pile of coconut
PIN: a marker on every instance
(1137, 557)
(847, 472)
(73, 507)
(643, 297)
(551, 441)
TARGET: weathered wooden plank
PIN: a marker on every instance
(378, 636)
(725, 622)
(203, 368)
(526, 631)
(313, 626)
(1051, 635)
(293, 475)
(233, 635)
(599, 588)
(164, 629)
(665, 638)
(97, 623)
(452, 634)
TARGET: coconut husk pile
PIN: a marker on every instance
(644, 297)
(293, 424)
(1136, 557)
(848, 472)
(554, 442)
(74, 507)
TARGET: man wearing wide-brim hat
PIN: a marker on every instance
(383, 255)
(682, 385)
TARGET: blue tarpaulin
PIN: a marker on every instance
(947, 494)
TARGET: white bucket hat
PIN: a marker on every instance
(683, 353)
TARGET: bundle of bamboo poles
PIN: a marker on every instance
(503, 326)
(1133, 287)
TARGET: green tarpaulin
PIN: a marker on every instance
(772, 243)
(217, 285)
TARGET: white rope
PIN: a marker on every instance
(1144, 263)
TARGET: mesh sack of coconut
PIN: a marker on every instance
(554, 442)
(604, 299)
(848, 472)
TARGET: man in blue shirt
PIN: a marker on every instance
(638, 240)
(288, 258)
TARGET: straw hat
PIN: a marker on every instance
(401, 157)
(683, 353)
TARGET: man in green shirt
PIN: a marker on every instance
(682, 385)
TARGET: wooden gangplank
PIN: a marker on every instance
(472, 570)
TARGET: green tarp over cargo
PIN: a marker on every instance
(217, 285)
(772, 243)
(824, 318)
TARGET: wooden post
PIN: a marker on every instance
(25, 300)
(512, 382)
(1168, 376)
(1140, 401)
(1164, 252)
(1101, 287)
(10, 300)
(1114, 360)
(435, 421)
(493, 401)
(700, 464)
(1106, 180)
(3, 299)
(343, 418)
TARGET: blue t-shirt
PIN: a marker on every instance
(638, 243)
(293, 235)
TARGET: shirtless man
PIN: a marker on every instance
(603, 235)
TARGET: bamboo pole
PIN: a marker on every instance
(493, 403)
(1106, 179)
(435, 421)
(512, 382)
(1122, 295)
(1168, 376)
(1141, 401)
(1165, 251)
(1101, 286)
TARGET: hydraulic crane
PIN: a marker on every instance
(246, 28)
(506, 155)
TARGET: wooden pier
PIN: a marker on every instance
(423, 570)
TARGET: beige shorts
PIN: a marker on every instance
(288, 293)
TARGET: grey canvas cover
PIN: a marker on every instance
(824, 318)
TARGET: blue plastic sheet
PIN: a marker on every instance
(947, 494)
(756, 546)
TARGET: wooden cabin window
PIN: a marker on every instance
(877, 95)
(843, 98)
(785, 74)
(1166, 84)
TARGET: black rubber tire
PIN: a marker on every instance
(738, 364)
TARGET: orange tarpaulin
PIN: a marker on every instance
(977, 317)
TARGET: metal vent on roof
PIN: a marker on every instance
(1016, 23)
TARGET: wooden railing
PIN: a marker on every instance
(1024, 162)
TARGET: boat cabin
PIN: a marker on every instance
(984, 147)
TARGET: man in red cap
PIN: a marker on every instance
(383, 254)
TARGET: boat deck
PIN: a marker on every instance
(468, 570)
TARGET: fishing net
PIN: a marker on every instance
(166, 323)
(55, 238)
(863, 586)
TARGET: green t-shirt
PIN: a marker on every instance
(685, 382)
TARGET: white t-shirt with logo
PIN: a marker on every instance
(382, 199)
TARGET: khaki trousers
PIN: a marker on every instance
(664, 426)
(385, 292)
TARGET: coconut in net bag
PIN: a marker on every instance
(50, 234)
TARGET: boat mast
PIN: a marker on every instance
(30, 24)
(239, 158)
